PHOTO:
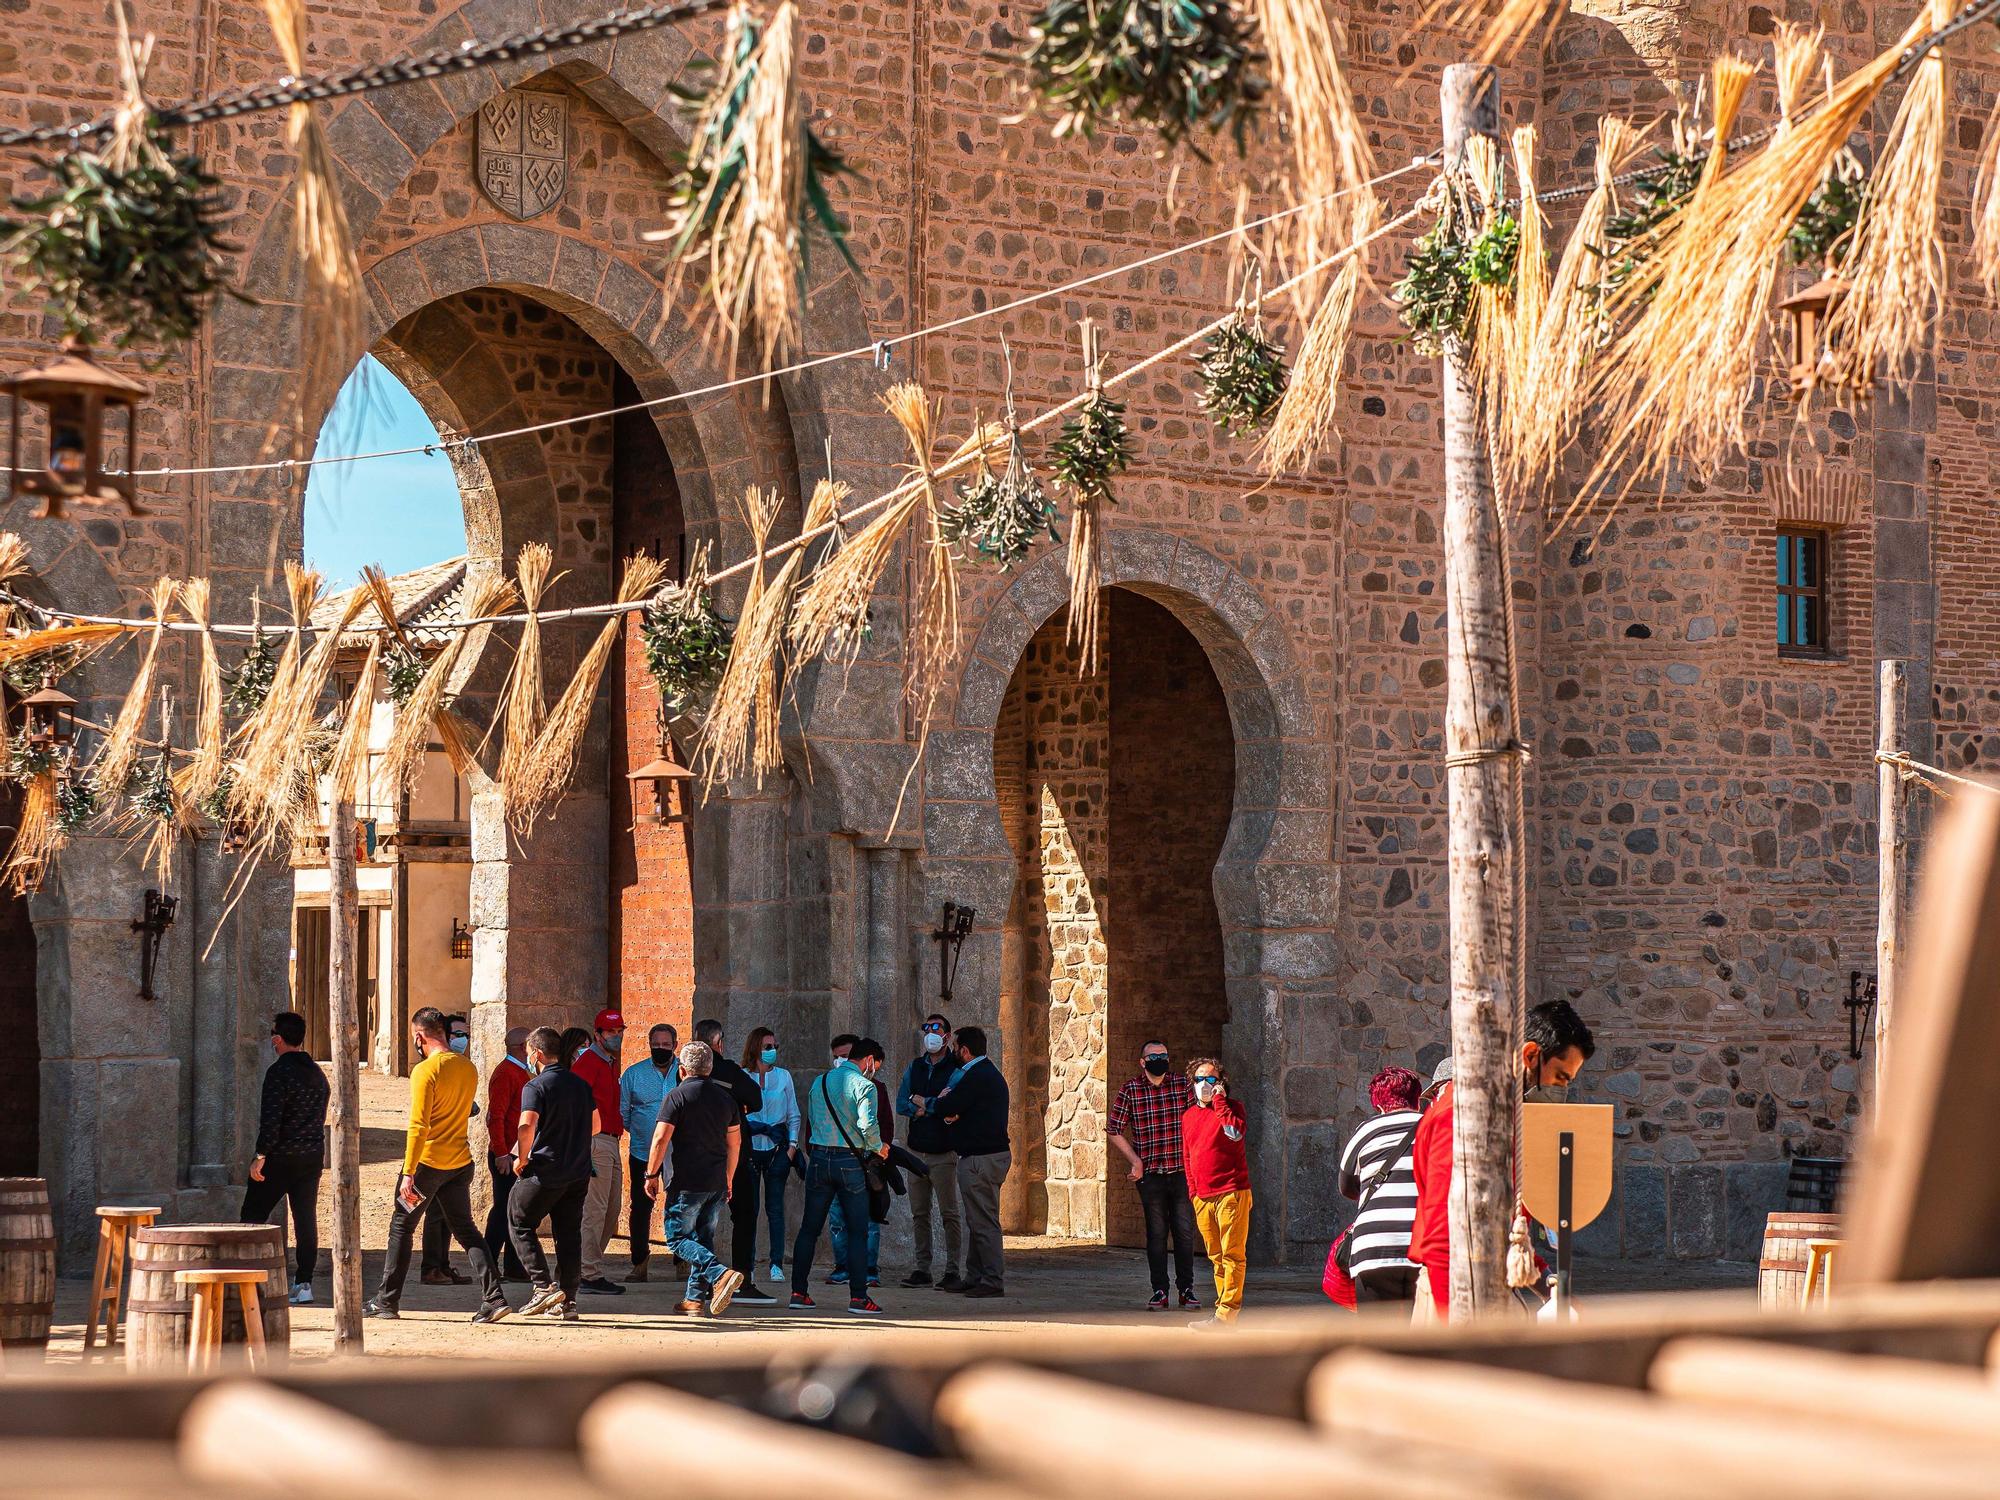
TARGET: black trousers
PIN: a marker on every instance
(743, 1217)
(498, 1246)
(561, 1203)
(449, 1191)
(1386, 1284)
(1169, 1215)
(639, 1212)
(437, 1239)
(295, 1178)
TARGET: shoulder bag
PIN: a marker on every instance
(1342, 1249)
(871, 1166)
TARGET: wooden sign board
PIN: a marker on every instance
(1542, 1128)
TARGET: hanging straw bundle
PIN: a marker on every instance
(348, 771)
(330, 326)
(427, 710)
(154, 808)
(274, 787)
(13, 564)
(741, 731)
(38, 836)
(1678, 377)
(523, 705)
(1895, 271)
(1573, 326)
(1304, 418)
(115, 762)
(545, 773)
(449, 730)
(1329, 144)
(1795, 59)
(71, 644)
(1986, 223)
(264, 719)
(1093, 449)
(1517, 342)
(199, 778)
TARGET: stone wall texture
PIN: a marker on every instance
(1703, 808)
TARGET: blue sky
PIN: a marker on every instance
(397, 512)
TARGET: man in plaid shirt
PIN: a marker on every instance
(1146, 1128)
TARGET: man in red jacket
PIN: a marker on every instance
(1556, 1047)
(597, 1065)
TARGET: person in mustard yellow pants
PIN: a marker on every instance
(1218, 1178)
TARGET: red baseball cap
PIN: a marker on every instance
(610, 1020)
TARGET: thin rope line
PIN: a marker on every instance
(805, 538)
(864, 351)
(1916, 770)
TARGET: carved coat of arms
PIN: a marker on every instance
(523, 151)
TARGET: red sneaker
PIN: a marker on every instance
(1158, 1302)
(863, 1307)
(801, 1302)
(1188, 1300)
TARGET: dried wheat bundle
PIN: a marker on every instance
(1795, 56)
(1895, 268)
(38, 836)
(203, 774)
(1329, 145)
(1986, 222)
(13, 564)
(933, 634)
(275, 777)
(330, 323)
(741, 730)
(1522, 313)
(1304, 419)
(72, 644)
(265, 724)
(1573, 325)
(154, 809)
(347, 774)
(544, 774)
(120, 754)
(523, 704)
(426, 710)
(1491, 263)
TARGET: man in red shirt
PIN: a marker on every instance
(1556, 1047)
(597, 1065)
(503, 1122)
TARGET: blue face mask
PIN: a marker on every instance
(769, 1055)
(460, 1043)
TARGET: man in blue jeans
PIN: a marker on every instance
(843, 1127)
(836, 1219)
(701, 1123)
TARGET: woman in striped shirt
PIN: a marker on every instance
(1376, 1170)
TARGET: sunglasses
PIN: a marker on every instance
(933, 1029)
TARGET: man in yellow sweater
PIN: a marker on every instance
(437, 1163)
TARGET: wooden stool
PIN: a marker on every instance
(1819, 1271)
(107, 1282)
(211, 1290)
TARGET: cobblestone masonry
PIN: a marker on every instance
(1704, 809)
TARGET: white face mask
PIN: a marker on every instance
(1204, 1088)
(933, 1042)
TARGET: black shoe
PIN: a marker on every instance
(380, 1309)
(953, 1283)
(754, 1294)
(1189, 1300)
(984, 1289)
(1158, 1303)
(602, 1286)
(917, 1278)
(492, 1312)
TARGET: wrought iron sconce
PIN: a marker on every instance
(152, 929)
(950, 938)
(1860, 1000)
(461, 939)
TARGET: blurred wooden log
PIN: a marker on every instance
(1906, 1397)
(1568, 1438)
(1927, 1199)
(1077, 1438)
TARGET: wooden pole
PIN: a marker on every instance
(1481, 766)
(1892, 858)
(343, 1001)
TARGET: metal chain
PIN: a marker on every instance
(464, 58)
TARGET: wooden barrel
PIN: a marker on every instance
(27, 1263)
(1781, 1269)
(156, 1314)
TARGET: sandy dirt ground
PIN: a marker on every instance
(1048, 1282)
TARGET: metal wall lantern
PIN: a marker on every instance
(51, 715)
(152, 929)
(74, 392)
(661, 773)
(461, 939)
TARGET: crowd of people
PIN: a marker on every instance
(692, 1131)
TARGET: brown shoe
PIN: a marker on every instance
(435, 1277)
(691, 1309)
(636, 1274)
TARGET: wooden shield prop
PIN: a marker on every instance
(1542, 1127)
(523, 147)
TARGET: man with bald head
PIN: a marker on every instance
(503, 1126)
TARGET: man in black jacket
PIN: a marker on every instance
(291, 1146)
(926, 1078)
(749, 1095)
(975, 1116)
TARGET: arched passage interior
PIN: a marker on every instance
(1115, 789)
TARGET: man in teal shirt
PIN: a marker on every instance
(843, 1126)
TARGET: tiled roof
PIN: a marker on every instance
(428, 596)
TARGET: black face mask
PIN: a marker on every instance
(1158, 1066)
(662, 1056)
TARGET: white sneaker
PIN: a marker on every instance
(543, 1300)
(777, 1273)
(302, 1294)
